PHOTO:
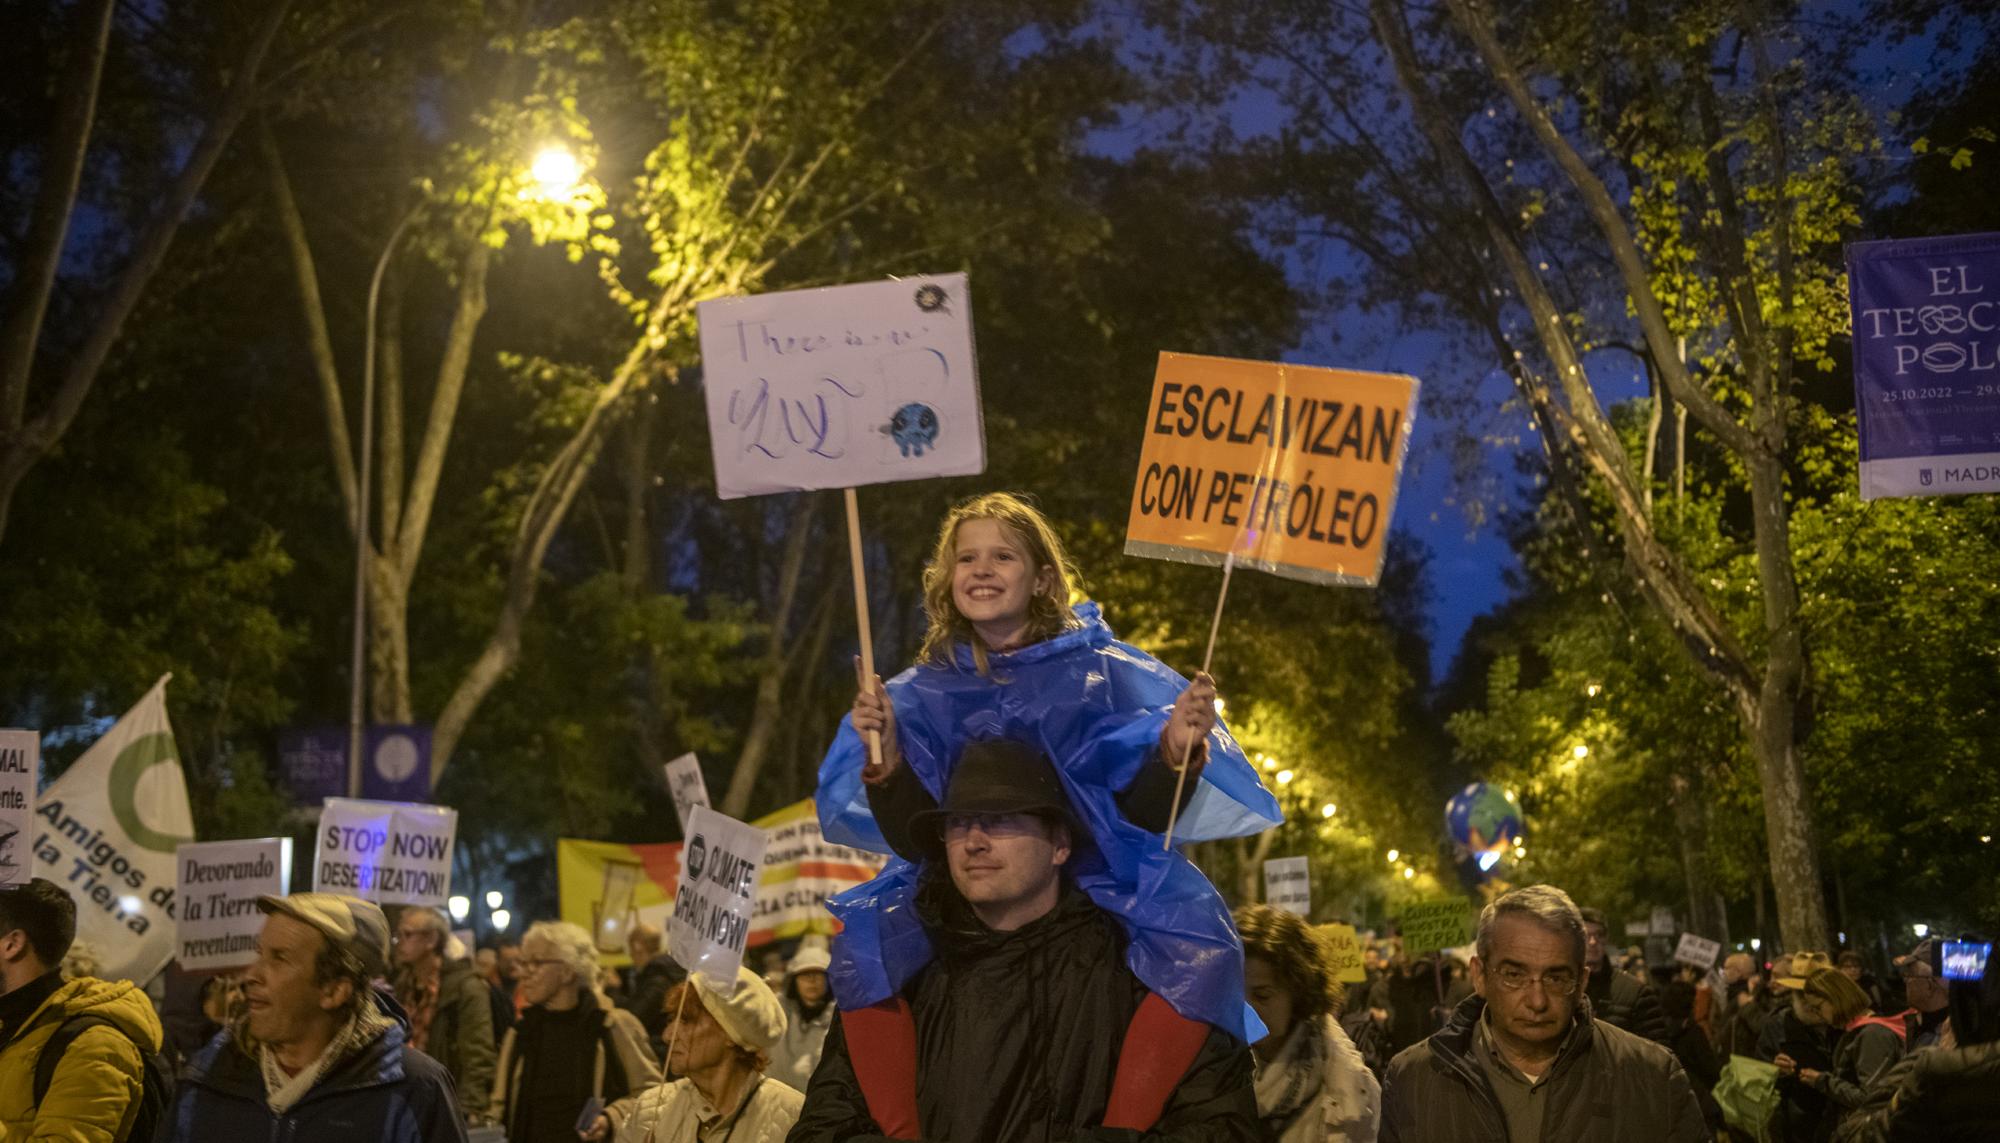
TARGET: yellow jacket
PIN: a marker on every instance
(94, 1095)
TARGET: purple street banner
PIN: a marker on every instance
(312, 763)
(1926, 317)
(395, 763)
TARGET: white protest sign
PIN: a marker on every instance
(1697, 951)
(687, 787)
(20, 761)
(843, 386)
(391, 853)
(717, 891)
(1288, 885)
(107, 831)
(219, 884)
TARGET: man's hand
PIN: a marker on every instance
(1187, 728)
(873, 711)
(1785, 1064)
(600, 1128)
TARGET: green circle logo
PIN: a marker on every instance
(132, 762)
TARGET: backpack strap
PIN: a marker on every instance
(58, 1046)
(1160, 1046)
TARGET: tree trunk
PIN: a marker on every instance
(1767, 695)
(778, 654)
(1706, 916)
(24, 442)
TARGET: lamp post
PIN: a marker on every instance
(357, 672)
(557, 172)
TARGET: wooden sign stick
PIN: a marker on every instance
(861, 618)
(1208, 657)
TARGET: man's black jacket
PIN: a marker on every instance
(1018, 1036)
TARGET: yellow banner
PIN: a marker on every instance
(1343, 952)
(1292, 468)
(608, 887)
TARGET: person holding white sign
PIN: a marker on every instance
(1008, 656)
(722, 1049)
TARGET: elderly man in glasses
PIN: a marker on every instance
(1522, 1060)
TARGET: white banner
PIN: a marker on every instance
(686, 786)
(1697, 951)
(843, 386)
(219, 884)
(1288, 885)
(713, 902)
(20, 761)
(107, 832)
(391, 853)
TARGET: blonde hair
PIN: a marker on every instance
(1048, 610)
(1845, 996)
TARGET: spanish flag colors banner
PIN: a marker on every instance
(609, 887)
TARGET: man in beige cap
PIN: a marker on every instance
(318, 1055)
(721, 1045)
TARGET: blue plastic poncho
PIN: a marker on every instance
(1097, 707)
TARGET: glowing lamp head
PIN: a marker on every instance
(556, 171)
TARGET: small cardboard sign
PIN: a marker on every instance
(1343, 953)
(1288, 885)
(218, 883)
(20, 762)
(1697, 951)
(716, 896)
(1292, 469)
(1440, 923)
(391, 853)
(843, 386)
(686, 786)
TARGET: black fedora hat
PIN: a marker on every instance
(999, 776)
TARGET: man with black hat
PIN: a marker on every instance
(1022, 1019)
(318, 1054)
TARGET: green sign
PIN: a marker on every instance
(1442, 923)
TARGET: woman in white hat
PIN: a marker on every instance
(721, 1046)
(808, 1014)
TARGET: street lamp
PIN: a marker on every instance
(493, 898)
(501, 919)
(557, 172)
(461, 907)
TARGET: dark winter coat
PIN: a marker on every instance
(647, 998)
(1623, 1002)
(1018, 1036)
(1803, 1113)
(1863, 1056)
(1935, 1095)
(461, 1036)
(385, 1093)
(1738, 1027)
(1606, 1086)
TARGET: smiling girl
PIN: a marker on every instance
(1008, 656)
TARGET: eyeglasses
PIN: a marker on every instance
(1514, 978)
(993, 825)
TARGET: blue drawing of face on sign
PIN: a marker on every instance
(914, 428)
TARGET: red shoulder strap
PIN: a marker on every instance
(1160, 1045)
(882, 1049)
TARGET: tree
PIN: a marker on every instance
(38, 405)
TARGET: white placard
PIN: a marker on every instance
(219, 882)
(686, 786)
(1288, 885)
(843, 386)
(106, 831)
(720, 865)
(20, 761)
(1697, 951)
(391, 853)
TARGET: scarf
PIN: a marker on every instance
(1291, 1080)
(283, 1091)
(419, 994)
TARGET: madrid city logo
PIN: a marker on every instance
(1924, 477)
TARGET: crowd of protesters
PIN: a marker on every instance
(1033, 965)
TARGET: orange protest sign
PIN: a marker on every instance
(1291, 468)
